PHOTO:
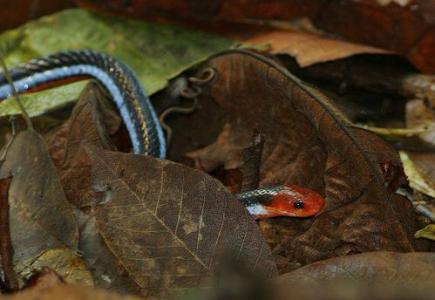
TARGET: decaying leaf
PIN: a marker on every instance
(67, 263)
(310, 144)
(40, 218)
(428, 232)
(168, 225)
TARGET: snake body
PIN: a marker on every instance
(134, 106)
(132, 102)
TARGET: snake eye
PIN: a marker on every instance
(299, 204)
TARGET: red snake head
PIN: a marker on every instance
(294, 201)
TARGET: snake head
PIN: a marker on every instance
(294, 201)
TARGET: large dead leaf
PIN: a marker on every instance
(307, 143)
(151, 227)
(40, 218)
(168, 225)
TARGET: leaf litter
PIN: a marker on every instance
(151, 227)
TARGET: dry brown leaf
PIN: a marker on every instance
(40, 216)
(309, 49)
(310, 144)
(168, 225)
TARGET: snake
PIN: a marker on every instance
(141, 121)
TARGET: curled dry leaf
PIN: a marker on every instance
(310, 144)
(168, 225)
(40, 218)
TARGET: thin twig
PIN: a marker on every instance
(16, 95)
(9, 143)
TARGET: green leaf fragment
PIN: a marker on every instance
(155, 52)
